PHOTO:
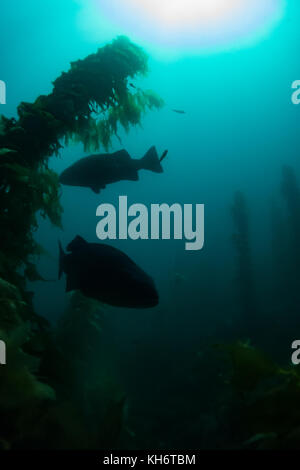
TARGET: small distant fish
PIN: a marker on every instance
(164, 155)
(179, 278)
(132, 85)
(106, 274)
(96, 171)
(179, 111)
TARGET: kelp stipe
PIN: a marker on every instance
(244, 276)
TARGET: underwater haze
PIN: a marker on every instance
(195, 371)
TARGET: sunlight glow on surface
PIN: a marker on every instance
(180, 14)
(177, 27)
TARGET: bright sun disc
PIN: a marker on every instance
(178, 26)
(180, 14)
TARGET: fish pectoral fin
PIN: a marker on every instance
(95, 189)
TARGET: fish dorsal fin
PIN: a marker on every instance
(77, 243)
(122, 155)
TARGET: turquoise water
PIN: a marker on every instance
(238, 131)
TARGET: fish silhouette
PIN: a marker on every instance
(179, 111)
(96, 171)
(105, 273)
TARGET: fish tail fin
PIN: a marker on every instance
(151, 162)
(61, 260)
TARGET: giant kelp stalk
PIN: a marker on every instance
(291, 194)
(244, 276)
(87, 104)
(280, 251)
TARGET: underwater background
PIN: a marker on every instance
(210, 366)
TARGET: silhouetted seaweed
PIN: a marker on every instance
(244, 276)
(267, 397)
(49, 398)
(291, 194)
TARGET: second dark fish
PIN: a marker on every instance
(105, 273)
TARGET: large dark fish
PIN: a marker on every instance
(96, 171)
(106, 274)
